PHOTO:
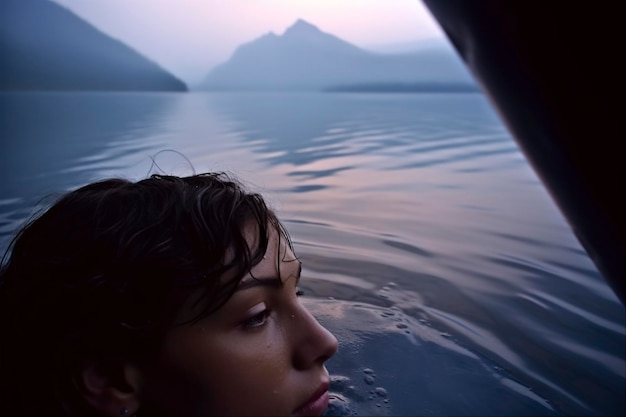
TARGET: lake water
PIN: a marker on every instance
(430, 248)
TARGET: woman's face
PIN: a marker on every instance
(262, 353)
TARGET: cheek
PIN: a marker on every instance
(253, 363)
(226, 373)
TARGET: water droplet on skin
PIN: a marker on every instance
(369, 380)
(381, 392)
(368, 371)
(377, 404)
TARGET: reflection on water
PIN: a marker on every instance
(392, 356)
(414, 206)
(52, 142)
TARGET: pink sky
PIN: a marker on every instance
(189, 37)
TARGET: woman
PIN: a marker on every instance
(171, 296)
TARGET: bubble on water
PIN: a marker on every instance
(347, 398)
(446, 335)
(401, 326)
(339, 380)
(392, 284)
(381, 392)
(407, 331)
(338, 406)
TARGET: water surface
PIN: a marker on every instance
(429, 246)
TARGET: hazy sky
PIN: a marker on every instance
(189, 37)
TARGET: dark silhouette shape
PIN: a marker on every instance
(527, 57)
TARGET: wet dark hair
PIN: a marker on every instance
(103, 272)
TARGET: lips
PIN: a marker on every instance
(315, 405)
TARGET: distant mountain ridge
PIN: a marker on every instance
(44, 46)
(306, 58)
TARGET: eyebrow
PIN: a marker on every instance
(250, 282)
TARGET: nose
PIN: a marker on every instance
(314, 344)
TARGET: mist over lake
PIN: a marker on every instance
(429, 246)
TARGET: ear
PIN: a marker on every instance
(110, 388)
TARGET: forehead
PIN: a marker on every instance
(279, 260)
(278, 264)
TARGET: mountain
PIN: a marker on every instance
(440, 43)
(305, 58)
(44, 46)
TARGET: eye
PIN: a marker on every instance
(259, 316)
